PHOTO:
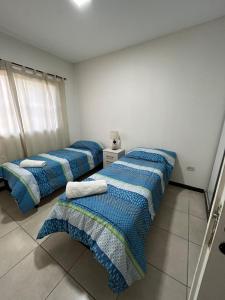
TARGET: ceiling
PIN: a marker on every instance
(59, 27)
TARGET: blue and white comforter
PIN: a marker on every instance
(115, 224)
(29, 185)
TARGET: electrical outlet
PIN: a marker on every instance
(191, 169)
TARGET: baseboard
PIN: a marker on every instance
(188, 187)
(192, 188)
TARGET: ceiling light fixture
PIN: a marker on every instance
(81, 3)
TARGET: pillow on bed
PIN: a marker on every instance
(155, 155)
(88, 145)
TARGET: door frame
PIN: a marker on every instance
(217, 182)
(205, 249)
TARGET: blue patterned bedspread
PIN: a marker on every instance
(115, 224)
(29, 185)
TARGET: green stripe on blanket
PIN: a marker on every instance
(24, 182)
(109, 227)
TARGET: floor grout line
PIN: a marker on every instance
(167, 274)
(202, 219)
(187, 292)
(20, 225)
(39, 245)
(170, 232)
(188, 213)
(75, 280)
(9, 232)
(17, 263)
(195, 243)
(81, 255)
(84, 288)
(56, 286)
(65, 270)
(165, 205)
(58, 263)
(36, 212)
(17, 221)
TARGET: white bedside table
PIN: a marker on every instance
(109, 156)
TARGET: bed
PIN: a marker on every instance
(114, 225)
(29, 185)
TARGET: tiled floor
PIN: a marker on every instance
(60, 268)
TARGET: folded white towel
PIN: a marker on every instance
(86, 188)
(28, 163)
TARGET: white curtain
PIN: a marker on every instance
(32, 112)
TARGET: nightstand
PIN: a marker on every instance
(109, 155)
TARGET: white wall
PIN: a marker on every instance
(216, 167)
(19, 52)
(167, 93)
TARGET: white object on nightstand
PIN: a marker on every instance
(109, 155)
(116, 142)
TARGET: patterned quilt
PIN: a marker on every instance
(115, 224)
(29, 185)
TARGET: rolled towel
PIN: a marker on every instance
(85, 188)
(28, 163)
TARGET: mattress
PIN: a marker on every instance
(114, 225)
(29, 185)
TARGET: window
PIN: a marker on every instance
(8, 123)
(38, 102)
(32, 112)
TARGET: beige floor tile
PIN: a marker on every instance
(91, 275)
(13, 247)
(12, 209)
(194, 251)
(176, 198)
(6, 200)
(188, 292)
(9, 204)
(172, 220)
(68, 289)
(38, 275)
(18, 216)
(197, 229)
(21, 218)
(6, 223)
(168, 252)
(156, 286)
(197, 205)
(33, 225)
(33, 278)
(65, 250)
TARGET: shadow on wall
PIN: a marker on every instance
(177, 172)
